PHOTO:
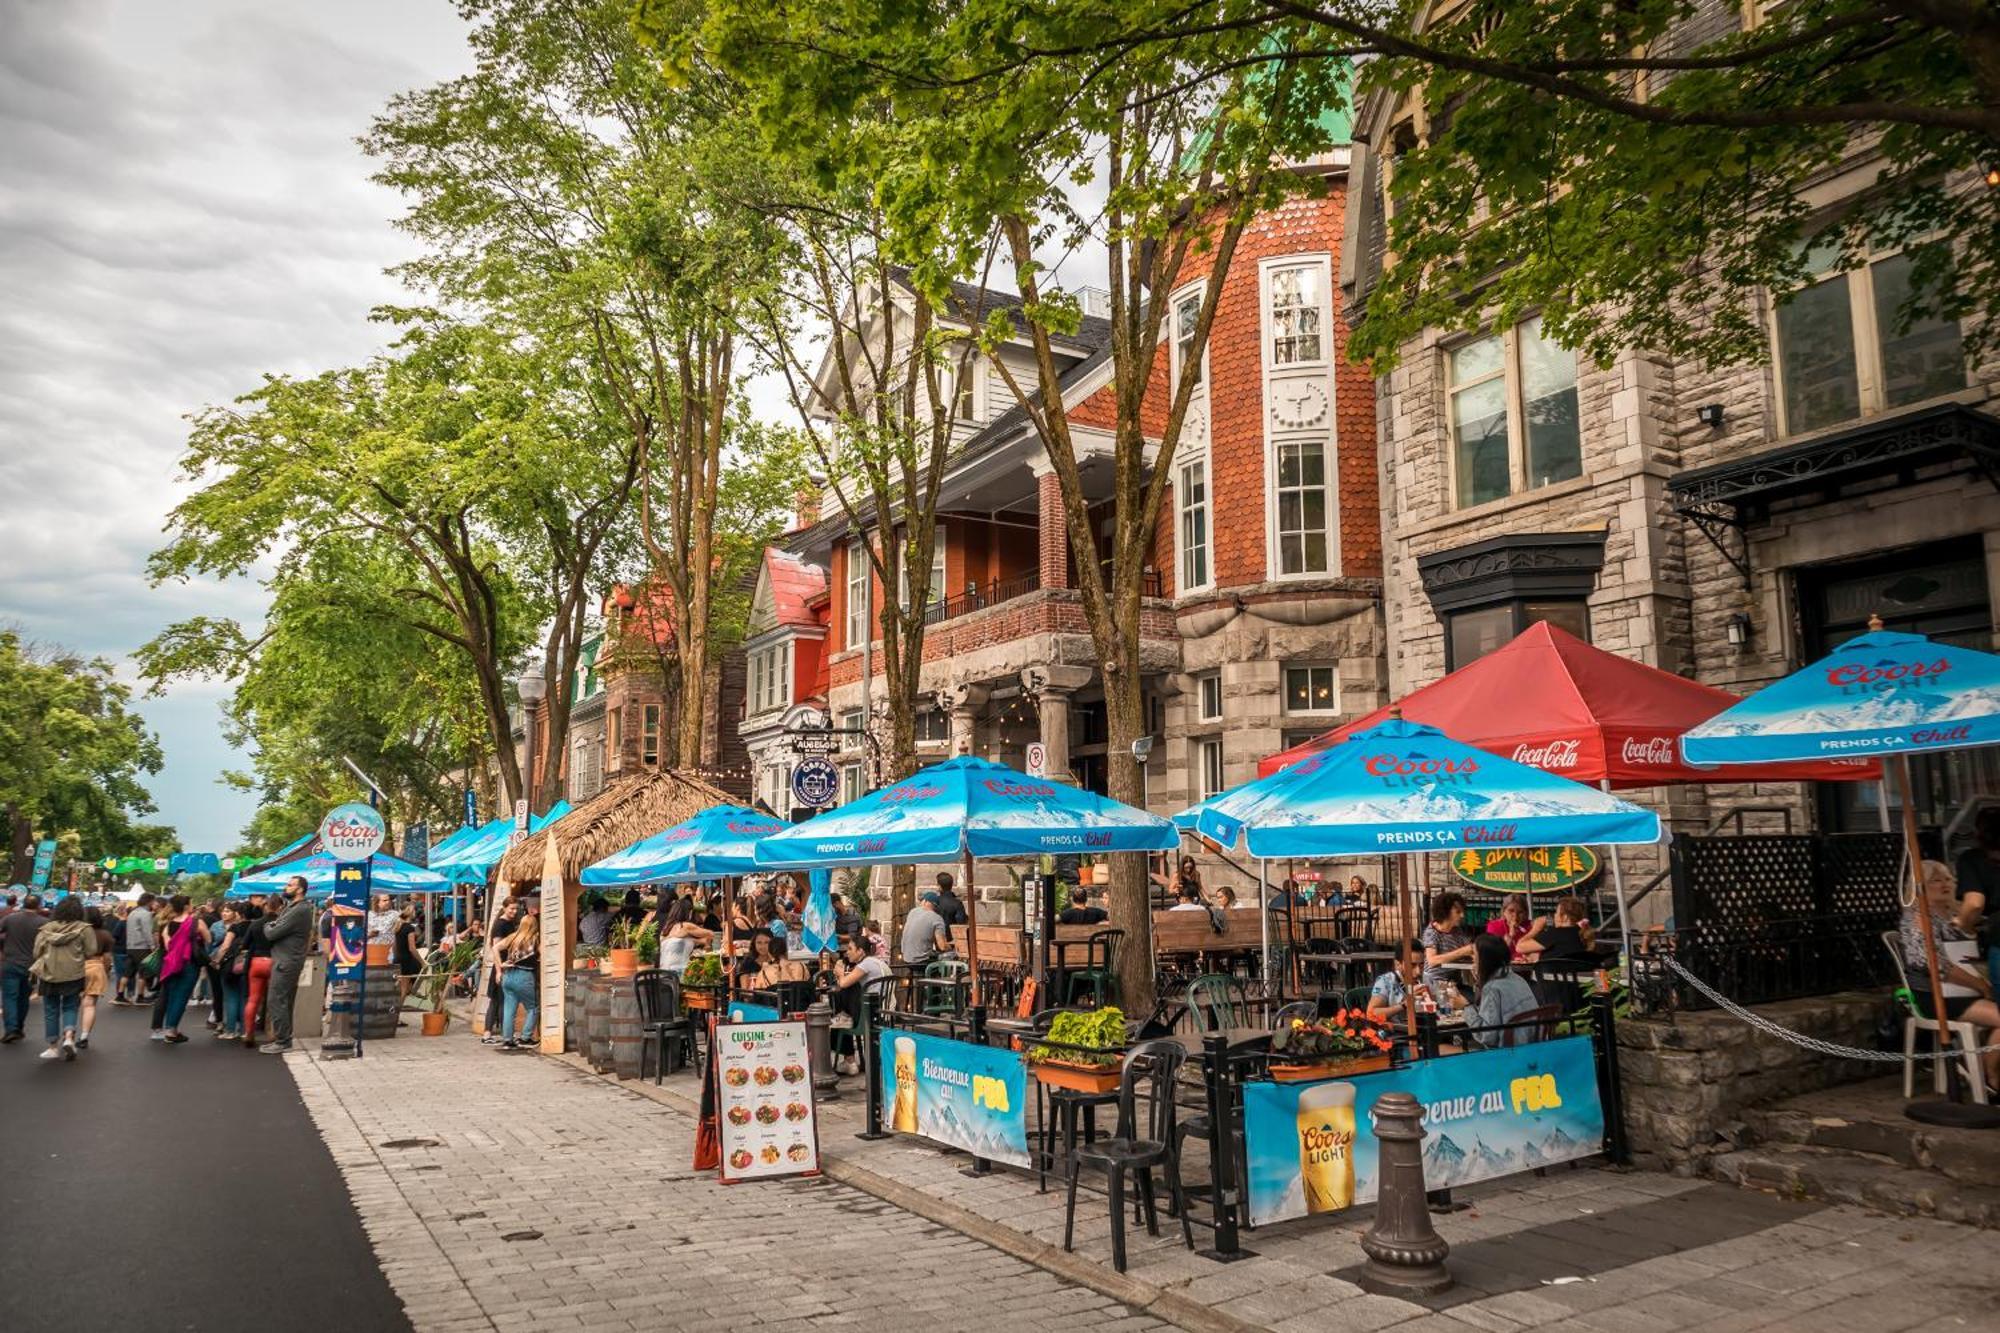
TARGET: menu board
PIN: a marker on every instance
(764, 1078)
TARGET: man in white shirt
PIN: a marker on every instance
(1190, 900)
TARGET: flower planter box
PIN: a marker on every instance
(1094, 1079)
(1332, 1067)
(698, 999)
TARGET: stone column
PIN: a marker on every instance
(1054, 535)
(1051, 688)
(963, 703)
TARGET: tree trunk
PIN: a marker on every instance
(500, 726)
(21, 854)
(1131, 899)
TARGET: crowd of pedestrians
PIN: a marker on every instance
(241, 961)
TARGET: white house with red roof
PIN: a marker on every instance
(785, 668)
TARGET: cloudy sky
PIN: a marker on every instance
(183, 209)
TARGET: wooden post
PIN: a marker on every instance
(1920, 903)
(971, 926)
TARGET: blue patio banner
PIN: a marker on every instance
(1311, 1146)
(955, 1093)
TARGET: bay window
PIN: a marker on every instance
(1296, 316)
(1302, 507)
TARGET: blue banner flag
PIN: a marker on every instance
(955, 1093)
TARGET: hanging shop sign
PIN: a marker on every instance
(352, 832)
(952, 1092)
(1310, 1147)
(1525, 869)
(815, 782)
(768, 1123)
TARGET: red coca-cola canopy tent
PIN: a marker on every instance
(1551, 700)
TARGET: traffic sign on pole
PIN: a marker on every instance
(1038, 759)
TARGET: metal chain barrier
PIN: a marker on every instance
(1765, 1025)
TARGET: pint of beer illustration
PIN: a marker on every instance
(1326, 1146)
(904, 1116)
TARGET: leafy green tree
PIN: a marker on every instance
(572, 195)
(75, 756)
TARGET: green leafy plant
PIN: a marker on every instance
(624, 935)
(592, 952)
(437, 982)
(647, 942)
(1093, 1037)
(704, 970)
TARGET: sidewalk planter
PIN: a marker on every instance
(380, 955)
(1076, 1077)
(703, 998)
(435, 1024)
(1319, 1069)
(597, 1022)
(701, 983)
(623, 962)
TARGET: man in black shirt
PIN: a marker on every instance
(1080, 912)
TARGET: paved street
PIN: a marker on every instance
(149, 1188)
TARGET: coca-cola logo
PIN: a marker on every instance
(1647, 750)
(1552, 754)
(1884, 675)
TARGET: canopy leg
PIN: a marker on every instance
(1618, 888)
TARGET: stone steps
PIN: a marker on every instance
(1868, 1180)
(1878, 1129)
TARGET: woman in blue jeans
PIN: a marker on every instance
(183, 948)
(61, 949)
(520, 979)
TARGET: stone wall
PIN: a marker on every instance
(1687, 1078)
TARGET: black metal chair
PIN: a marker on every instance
(1155, 1064)
(1218, 1003)
(1307, 1010)
(662, 1022)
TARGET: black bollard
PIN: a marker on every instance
(1405, 1253)
(869, 1050)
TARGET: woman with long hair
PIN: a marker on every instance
(256, 972)
(1503, 997)
(96, 975)
(62, 948)
(1570, 937)
(232, 964)
(408, 964)
(774, 968)
(520, 968)
(184, 948)
(1968, 991)
(1513, 925)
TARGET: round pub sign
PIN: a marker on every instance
(352, 832)
(1525, 869)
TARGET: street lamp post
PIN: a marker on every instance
(533, 688)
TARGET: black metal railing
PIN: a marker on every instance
(977, 597)
(1786, 959)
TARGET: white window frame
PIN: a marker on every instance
(853, 783)
(1328, 439)
(1267, 309)
(1285, 688)
(923, 713)
(1201, 689)
(968, 388)
(860, 574)
(1512, 389)
(1187, 297)
(1871, 380)
(937, 570)
(1209, 750)
(770, 677)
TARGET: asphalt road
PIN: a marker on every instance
(147, 1187)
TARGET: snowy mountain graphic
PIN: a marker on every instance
(1490, 1162)
(1451, 805)
(1891, 709)
(1444, 1161)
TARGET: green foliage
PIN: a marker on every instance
(704, 971)
(72, 757)
(1094, 1037)
(647, 942)
(437, 981)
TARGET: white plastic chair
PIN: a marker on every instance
(1963, 1035)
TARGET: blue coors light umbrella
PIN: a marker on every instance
(389, 875)
(1878, 693)
(1406, 787)
(718, 841)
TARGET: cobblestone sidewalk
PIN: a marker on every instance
(512, 1192)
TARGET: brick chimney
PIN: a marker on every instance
(805, 506)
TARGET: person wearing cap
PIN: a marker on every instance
(924, 933)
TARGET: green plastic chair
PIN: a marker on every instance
(1099, 972)
(939, 988)
(1218, 1002)
(1357, 997)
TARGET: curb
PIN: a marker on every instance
(1142, 1296)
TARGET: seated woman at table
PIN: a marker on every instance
(756, 955)
(1570, 937)
(853, 969)
(1503, 997)
(776, 968)
(1512, 926)
(1445, 939)
(1968, 993)
(1225, 898)
(1386, 997)
(1188, 876)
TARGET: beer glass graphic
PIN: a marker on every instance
(1326, 1146)
(904, 1117)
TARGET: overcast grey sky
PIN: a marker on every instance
(182, 208)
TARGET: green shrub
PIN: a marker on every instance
(1094, 1037)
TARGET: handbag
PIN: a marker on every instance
(149, 966)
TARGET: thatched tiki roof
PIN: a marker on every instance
(614, 819)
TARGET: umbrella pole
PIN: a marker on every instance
(1618, 888)
(728, 936)
(1264, 919)
(1920, 905)
(971, 926)
(1409, 933)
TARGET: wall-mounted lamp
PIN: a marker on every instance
(1710, 415)
(1737, 627)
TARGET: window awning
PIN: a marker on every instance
(1743, 491)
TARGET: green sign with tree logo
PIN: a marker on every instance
(1525, 869)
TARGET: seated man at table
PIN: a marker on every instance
(1386, 997)
(853, 969)
(1081, 911)
(1190, 898)
(924, 933)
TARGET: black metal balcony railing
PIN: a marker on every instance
(978, 598)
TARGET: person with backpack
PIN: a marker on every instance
(140, 936)
(61, 948)
(183, 953)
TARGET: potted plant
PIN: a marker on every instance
(437, 984)
(624, 949)
(648, 943)
(701, 983)
(1348, 1043)
(589, 957)
(1082, 1051)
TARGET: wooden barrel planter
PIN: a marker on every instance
(625, 1028)
(381, 1005)
(576, 994)
(597, 1022)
